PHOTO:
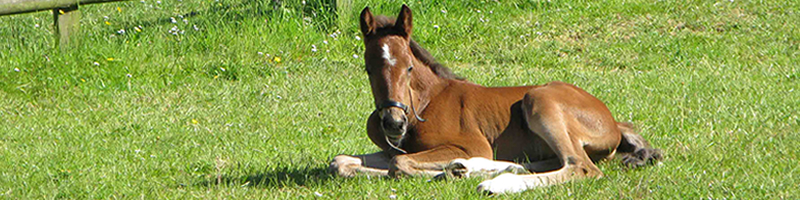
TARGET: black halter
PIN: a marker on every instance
(390, 103)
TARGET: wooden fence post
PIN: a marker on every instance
(67, 25)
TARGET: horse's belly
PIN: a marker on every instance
(521, 146)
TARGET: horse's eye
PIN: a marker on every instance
(410, 68)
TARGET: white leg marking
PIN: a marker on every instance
(481, 167)
(513, 183)
(387, 55)
(505, 183)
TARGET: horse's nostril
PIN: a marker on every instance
(392, 124)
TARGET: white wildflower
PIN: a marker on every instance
(436, 26)
(325, 42)
(121, 31)
(175, 31)
(128, 75)
(96, 63)
(355, 56)
(260, 53)
(358, 38)
(173, 20)
(16, 69)
(36, 25)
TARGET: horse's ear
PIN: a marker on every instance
(403, 22)
(367, 22)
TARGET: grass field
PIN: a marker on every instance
(249, 99)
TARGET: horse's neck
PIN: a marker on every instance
(426, 84)
(424, 79)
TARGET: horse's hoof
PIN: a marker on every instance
(457, 169)
(342, 165)
(515, 169)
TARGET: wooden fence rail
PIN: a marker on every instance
(66, 15)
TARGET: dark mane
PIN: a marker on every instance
(383, 22)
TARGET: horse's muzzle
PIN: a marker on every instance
(394, 123)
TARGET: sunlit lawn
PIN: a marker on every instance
(250, 99)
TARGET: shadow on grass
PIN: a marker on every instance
(276, 178)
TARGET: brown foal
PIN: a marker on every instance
(430, 122)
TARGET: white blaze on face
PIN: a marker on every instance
(387, 55)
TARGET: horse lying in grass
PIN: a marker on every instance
(429, 122)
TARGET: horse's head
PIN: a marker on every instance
(389, 62)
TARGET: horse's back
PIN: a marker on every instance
(576, 104)
(497, 114)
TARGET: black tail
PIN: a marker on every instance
(635, 150)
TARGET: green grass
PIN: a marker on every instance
(202, 114)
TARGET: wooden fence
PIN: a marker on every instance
(66, 16)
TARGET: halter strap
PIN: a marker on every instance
(395, 147)
(390, 103)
